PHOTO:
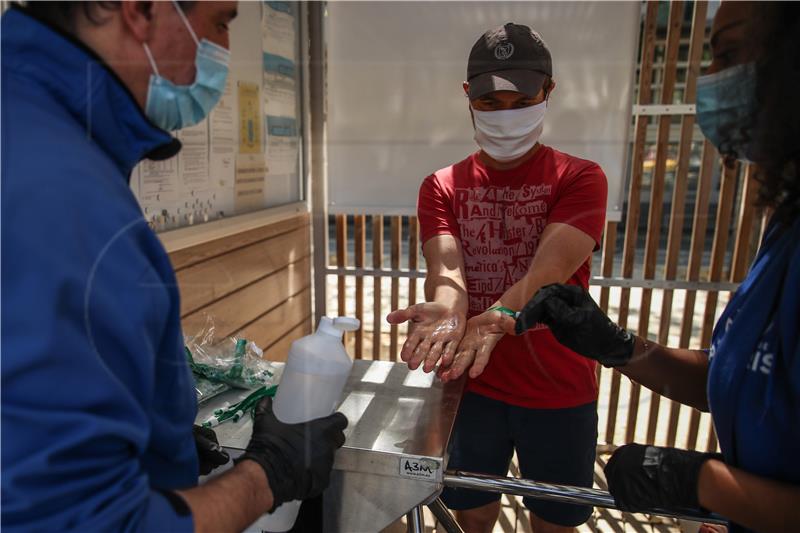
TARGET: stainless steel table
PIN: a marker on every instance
(396, 449)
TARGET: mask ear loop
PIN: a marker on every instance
(185, 21)
(150, 58)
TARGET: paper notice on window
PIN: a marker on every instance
(222, 134)
(278, 32)
(249, 118)
(193, 157)
(158, 180)
(280, 87)
(282, 146)
(249, 188)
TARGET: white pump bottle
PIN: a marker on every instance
(311, 386)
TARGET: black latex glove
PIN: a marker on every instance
(645, 477)
(209, 451)
(297, 458)
(577, 323)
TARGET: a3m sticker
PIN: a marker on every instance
(419, 468)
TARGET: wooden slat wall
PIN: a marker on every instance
(255, 283)
(678, 195)
(657, 202)
(634, 194)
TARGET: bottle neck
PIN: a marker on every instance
(326, 328)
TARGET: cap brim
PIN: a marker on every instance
(528, 82)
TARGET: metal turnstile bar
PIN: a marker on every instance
(560, 493)
(416, 522)
(444, 516)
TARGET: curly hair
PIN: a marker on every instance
(776, 31)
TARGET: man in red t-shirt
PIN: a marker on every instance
(497, 226)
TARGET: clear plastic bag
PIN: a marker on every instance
(234, 361)
(207, 389)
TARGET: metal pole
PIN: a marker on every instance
(319, 179)
(560, 493)
(416, 524)
(444, 516)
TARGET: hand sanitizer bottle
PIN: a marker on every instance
(311, 387)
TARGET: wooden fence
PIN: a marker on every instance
(670, 290)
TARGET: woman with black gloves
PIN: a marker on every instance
(748, 105)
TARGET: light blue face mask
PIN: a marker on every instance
(171, 106)
(726, 101)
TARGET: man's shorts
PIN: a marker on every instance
(553, 446)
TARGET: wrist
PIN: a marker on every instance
(706, 484)
(259, 482)
(505, 310)
(641, 348)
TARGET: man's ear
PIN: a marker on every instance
(466, 89)
(137, 18)
(550, 89)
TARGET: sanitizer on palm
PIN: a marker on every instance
(311, 387)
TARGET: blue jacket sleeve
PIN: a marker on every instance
(97, 401)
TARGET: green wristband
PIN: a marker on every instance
(504, 310)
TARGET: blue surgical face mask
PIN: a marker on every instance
(171, 106)
(726, 102)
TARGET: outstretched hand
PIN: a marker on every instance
(483, 333)
(434, 336)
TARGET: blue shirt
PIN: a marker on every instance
(97, 398)
(754, 374)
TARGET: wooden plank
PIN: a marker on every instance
(634, 191)
(360, 239)
(245, 305)
(742, 253)
(396, 238)
(653, 238)
(719, 246)
(377, 263)
(271, 327)
(699, 227)
(675, 234)
(204, 283)
(341, 262)
(413, 262)
(202, 252)
(613, 406)
(609, 247)
(711, 444)
(697, 246)
(607, 271)
(280, 349)
(637, 165)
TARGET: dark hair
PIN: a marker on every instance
(776, 31)
(62, 15)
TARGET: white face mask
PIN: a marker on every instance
(508, 134)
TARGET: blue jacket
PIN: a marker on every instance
(97, 398)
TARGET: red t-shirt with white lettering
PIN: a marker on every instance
(499, 215)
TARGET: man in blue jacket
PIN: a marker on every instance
(97, 399)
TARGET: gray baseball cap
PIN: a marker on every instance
(512, 57)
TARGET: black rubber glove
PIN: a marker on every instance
(297, 458)
(209, 452)
(645, 477)
(577, 323)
